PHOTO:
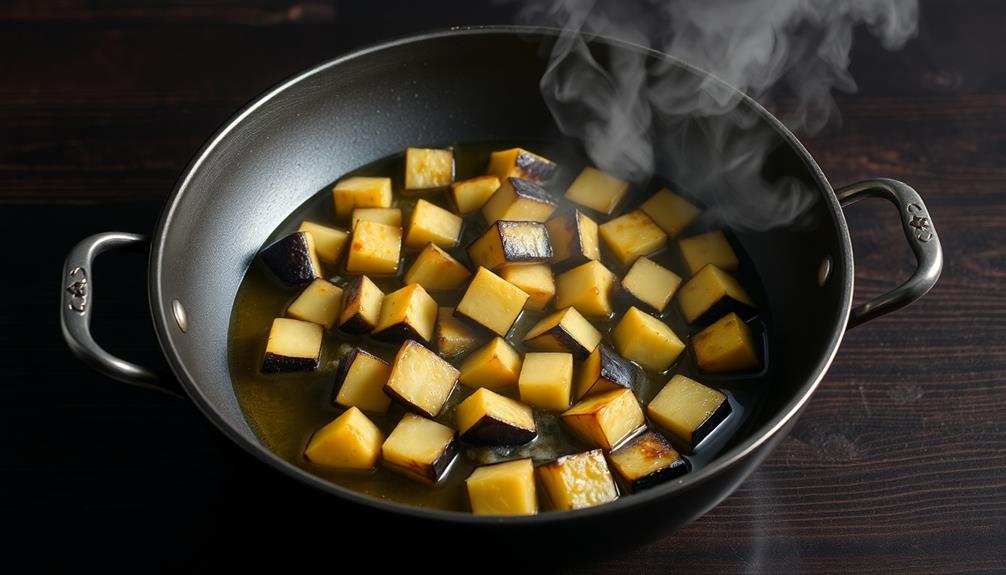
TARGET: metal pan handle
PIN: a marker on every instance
(921, 236)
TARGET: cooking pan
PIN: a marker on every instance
(437, 89)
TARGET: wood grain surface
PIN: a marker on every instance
(897, 465)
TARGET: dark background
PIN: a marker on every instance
(898, 464)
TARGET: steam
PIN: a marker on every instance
(637, 117)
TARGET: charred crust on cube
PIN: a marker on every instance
(535, 168)
(565, 340)
(490, 431)
(390, 392)
(531, 191)
(615, 368)
(715, 418)
(518, 251)
(289, 259)
(275, 363)
(672, 471)
(399, 333)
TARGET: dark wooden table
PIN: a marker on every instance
(898, 464)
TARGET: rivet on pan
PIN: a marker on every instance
(180, 317)
(824, 272)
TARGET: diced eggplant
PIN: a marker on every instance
(429, 223)
(495, 366)
(408, 313)
(631, 236)
(506, 488)
(436, 270)
(359, 381)
(320, 303)
(428, 169)
(708, 248)
(386, 216)
(546, 380)
(420, 380)
(350, 441)
(520, 163)
(533, 279)
(454, 337)
(488, 418)
(726, 345)
(509, 242)
(519, 200)
(651, 284)
(597, 190)
(293, 345)
(587, 287)
(604, 370)
(574, 238)
(564, 331)
(577, 481)
(606, 419)
(492, 302)
(374, 249)
(470, 195)
(646, 340)
(420, 448)
(361, 307)
(688, 409)
(329, 243)
(670, 211)
(292, 259)
(647, 461)
(711, 293)
(361, 192)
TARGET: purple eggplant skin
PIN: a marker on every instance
(290, 260)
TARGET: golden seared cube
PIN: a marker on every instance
(469, 196)
(360, 381)
(651, 284)
(386, 216)
(454, 337)
(494, 366)
(574, 238)
(604, 370)
(503, 489)
(350, 441)
(533, 279)
(631, 236)
(564, 331)
(710, 293)
(709, 248)
(420, 447)
(427, 169)
(688, 409)
(436, 270)
(408, 313)
(520, 163)
(492, 302)
(320, 302)
(647, 461)
(507, 242)
(329, 243)
(519, 200)
(374, 249)
(361, 192)
(420, 380)
(577, 481)
(430, 223)
(670, 211)
(488, 418)
(546, 380)
(606, 419)
(292, 259)
(293, 345)
(646, 340)
(587, 287)
(597, 190)
(726, 345)
(361, 306)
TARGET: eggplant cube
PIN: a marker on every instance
(546, 380)
(420, 448)
(597, 190)
(427, 169)
(651, 284)
(360, 381)
(709, 248)
(320, 303)
(646, 340)
(503, 489)
(293, 259)
(574, 238)
(350, 441)
(604, 370)
(520, 163)
(632, 235)
(533, 279)
(495, 366)
(470, 195)
(670, 211)
(361, 192)
(293, 345)
(386, 216)
(436, 270)
(647, 461)
(588, 288)
(374, 249)
(329, 243)
(519, 200)
(492, 302)
(564, 331)
(454, 337)
(605, 420)
(577, 481)
(724, 346)
(361, 307)
(430, 223)
(711, 292)
(507, 242)
(688, 409)
(488, 418)
(408, 313)
(420, 380)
